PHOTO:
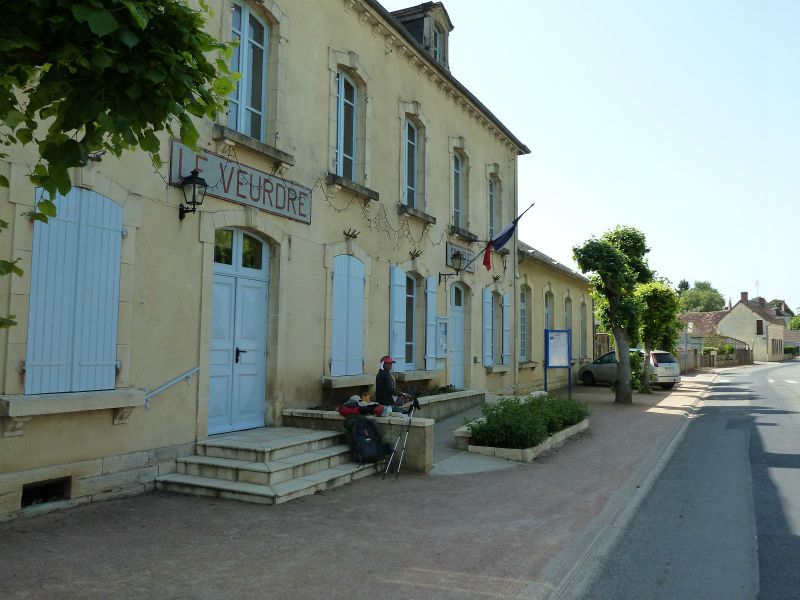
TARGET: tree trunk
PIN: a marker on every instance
(646, 372)
(624, 393)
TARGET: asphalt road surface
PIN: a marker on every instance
(723, 519)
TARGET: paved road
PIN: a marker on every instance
(723, 519)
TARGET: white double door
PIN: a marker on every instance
(237, 377)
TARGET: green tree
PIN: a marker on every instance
(78, 78)
(683, 286)
(701, 297)
(794, 323)
(660, 324)
(616, 263)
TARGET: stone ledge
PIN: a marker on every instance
(530, 364)
(364, 192)
(498, 369)
(16, 410)
(528, 454)
(226, 133)
(422, 216)
(419, 375)
(345, 381)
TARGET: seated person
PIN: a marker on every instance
(385, 392)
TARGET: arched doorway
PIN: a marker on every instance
(237, 370)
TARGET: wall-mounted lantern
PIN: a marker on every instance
(194, 191)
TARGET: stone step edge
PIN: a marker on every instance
(308, 483)
(278, 444)
(272, 466)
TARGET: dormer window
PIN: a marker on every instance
(429, 25)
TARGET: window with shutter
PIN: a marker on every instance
(74, 296)
(347, 344)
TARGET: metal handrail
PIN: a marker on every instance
(187, 376)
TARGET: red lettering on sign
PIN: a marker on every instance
(180, 164)
(240, 181)
(280, 196)
(197, 160)
(268, 187)
(226, 185)
(255, 188)
(301, 204)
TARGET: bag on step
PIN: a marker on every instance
(364, 439)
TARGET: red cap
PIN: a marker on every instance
(387, 359)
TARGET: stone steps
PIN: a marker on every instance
(266, 466)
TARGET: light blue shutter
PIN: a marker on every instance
(339, 346)
(487, 328)
(74, 301)
(397, 316)
(430, 323)
(347, 343)
(506, 329)
(355, 318)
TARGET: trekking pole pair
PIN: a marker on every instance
(407, 425)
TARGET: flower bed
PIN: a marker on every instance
(522, 428)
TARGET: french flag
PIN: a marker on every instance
(498, 242)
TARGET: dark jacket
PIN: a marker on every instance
(384, 388)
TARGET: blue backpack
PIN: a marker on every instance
(364, 439)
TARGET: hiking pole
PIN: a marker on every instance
(407, 425)
(414, 406)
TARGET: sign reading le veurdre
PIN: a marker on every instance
(558, 348)
(235, 182)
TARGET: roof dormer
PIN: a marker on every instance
(430, 25)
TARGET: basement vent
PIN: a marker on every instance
(42, 492)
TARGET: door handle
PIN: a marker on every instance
(239, 353)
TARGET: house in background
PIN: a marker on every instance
(752, 322)
(779, 309)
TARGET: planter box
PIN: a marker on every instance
(526, 454)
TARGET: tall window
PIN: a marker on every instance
(458, 169)
(346, 99)
(492, 206)
(567, 313)
(583, 330)
(438, 44)
(759, 327)
(548, 310)
(247, 103)
(411, 307)
(523, 325)
(411, 158)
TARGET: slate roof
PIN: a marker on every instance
(762, 310)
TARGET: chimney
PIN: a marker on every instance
(744, 297)
(762, 301)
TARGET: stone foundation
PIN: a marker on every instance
(92, 480)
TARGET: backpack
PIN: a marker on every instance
(364, 438)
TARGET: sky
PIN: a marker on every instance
(679, 118)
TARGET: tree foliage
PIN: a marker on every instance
(683, 285)
(701, 297)
(794, 323)
(616, 262)
(83, 77)
(660, 323)
(78, 78)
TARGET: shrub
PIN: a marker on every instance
(726, 349)
(525, 422)
(710, 349)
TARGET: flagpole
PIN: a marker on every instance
(464, 268)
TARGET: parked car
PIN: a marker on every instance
(665, 371)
